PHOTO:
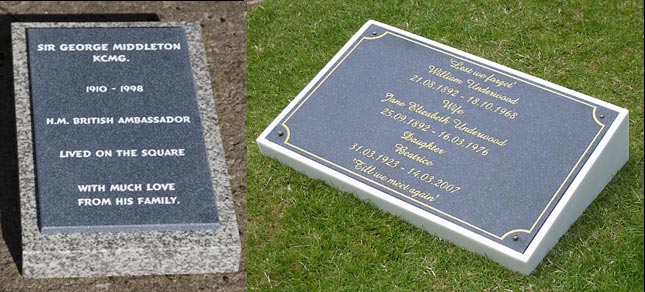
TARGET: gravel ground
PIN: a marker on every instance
(224, 29)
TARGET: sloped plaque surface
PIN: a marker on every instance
(472, 143)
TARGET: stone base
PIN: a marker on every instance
(124, 253)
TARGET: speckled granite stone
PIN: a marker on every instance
(124, 253)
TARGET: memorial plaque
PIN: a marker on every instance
(118, 138)
(495, 160)
(122, 169)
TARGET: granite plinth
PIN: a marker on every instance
(135, 252)
(490, 158)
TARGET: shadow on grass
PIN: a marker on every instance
(9, 186)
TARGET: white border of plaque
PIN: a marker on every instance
(607, 158)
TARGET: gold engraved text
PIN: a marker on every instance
(476, 86)
(463, 126)
(430, 145)
(403, 151)
(445, 74)
(419, 109)
(389, 97)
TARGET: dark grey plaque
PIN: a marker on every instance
(98, 96)
(479, 146)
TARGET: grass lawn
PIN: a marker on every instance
(307, 236)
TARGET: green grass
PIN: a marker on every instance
(307, 236)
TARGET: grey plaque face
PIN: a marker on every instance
(485, 149)
(119, 144)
